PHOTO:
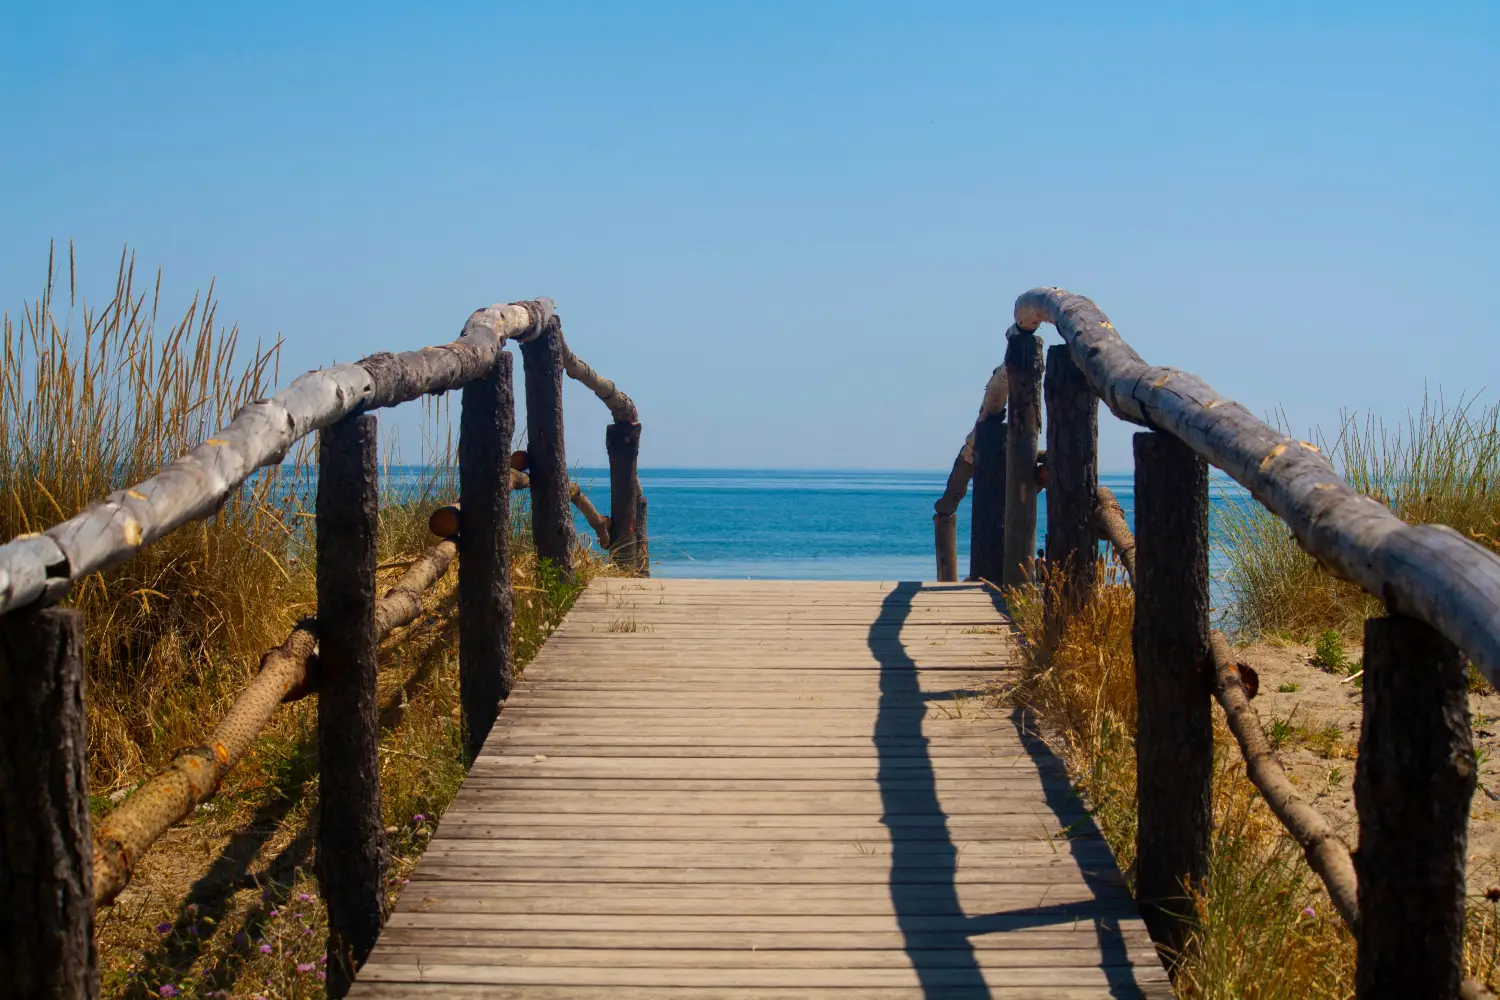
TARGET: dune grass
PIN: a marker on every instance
(1442, 466)
(95, 399)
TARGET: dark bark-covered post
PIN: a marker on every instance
(987, 511)
(46, 848)
(1173, 683)
(622, 443)
(551, 516)
(351, 840)
(1412, 787)
(1072, 482)
(1023, 362)
(642, 538)
(485, 602)
(945, 542)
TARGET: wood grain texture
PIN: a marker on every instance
(46, 908)
(547, 458)
(486, 606)
(1023, 361)
(679, 810)
(44, 567)
(1425, 571)
(1072, 482)
(987, 512)
(351, 858)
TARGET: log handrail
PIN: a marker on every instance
(44, 567)
(41, 652)
(957, 486)
(1425, 571)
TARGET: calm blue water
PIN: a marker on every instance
(830, 525)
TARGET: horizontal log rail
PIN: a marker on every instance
(44, 567)
(287, 673)
(39, 659)
(1402, 892)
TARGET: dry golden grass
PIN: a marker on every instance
(225, 904)
(1442, 467)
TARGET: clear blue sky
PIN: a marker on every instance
(792, 231)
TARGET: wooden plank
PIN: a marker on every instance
(767, 789)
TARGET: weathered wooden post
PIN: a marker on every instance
(485, 603)
(622, 443)
(987, 512)
(1072, 483)
(642, 538)
(1023, 363)
(1173, 683)
(551, 517)
(351, 840)
(46, 847)
(1413, 784)
(944, 515)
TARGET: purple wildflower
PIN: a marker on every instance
(167, 991)
(265, 949)
(304, 966)
(304, 897)
(163, 927)
(419, 818)
(1308, 911)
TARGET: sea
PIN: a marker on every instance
(811, 524)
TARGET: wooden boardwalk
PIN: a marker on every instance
(720, 789)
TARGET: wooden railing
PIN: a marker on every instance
(55, 869)
(1402, 891)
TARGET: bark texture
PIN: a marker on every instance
(551, 522)
(286, 674)
(485, 604)
(987, 512)
(622, 443)
(1173, 681)
(46, 917)
(596, 520)
(620, 406)
(945, 541)
(1072, 481)
(1413, 783)
(1424, 571)
(642, 537)
(1326, 852)
(351, 859)
(1109, 519)
(1023, 361)
(44, 567)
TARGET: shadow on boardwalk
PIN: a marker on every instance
(937, 933)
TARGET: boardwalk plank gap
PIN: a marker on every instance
(766, 789)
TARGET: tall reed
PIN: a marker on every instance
(101, 397)
(1442, 466)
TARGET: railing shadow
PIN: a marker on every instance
(936, 932)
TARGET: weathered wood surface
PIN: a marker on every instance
(122, 836)
(1413, 784)
(44, 567)
(351, 859)
(741, 789)
(622, 443)
(1326, 852)
(546, 450)
(987, 511)
(1425, 571)
(1174, 741)
(945, 529)
(1109, 519)
(1023, 361)
(46, 915)
(486, 606)
(1072, 483)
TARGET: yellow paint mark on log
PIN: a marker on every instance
(132, 529)
(221, 753)
(1271, 456)
(1325, 486)
(1212, 403)
(1309, 446)
(1162, 381)
(135, 494)
(216, 442)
